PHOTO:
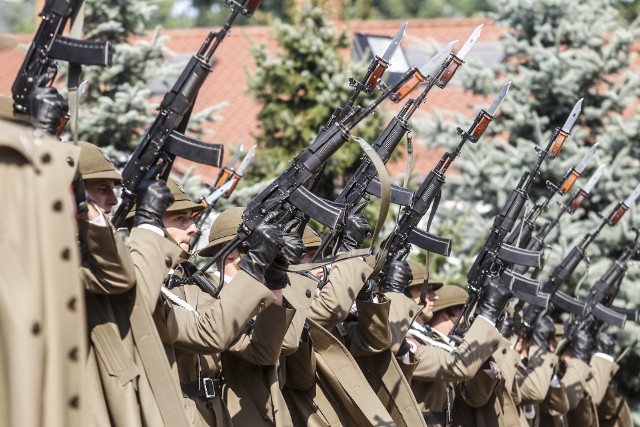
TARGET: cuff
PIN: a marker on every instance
(153, 228)
(605, 356)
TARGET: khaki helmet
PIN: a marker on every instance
(223, 229)
(95, 164)
(449, 296)
(181, 201)
(419, 272)
(310, 238)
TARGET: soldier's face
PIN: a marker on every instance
(180, 227)
(432, 297)
(101, 190)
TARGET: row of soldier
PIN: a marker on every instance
(272, 348)
(140, 337)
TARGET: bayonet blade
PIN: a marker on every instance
(246, 160)
(499, 99)
(628, 202)
(218, 192)
(571, 120)
(433, 66)
(236, 156)
(395, 43)
(594, 179)
(466, 47)
(583, 163)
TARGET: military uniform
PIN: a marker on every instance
(42, 326)
(614, 410)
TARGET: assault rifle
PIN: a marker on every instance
(165, 139)
(227, 180)
(568, 265)
(49, 46)
(596, 306)
(287, 195)
(495, 255)
(428, 195)
(521, 234)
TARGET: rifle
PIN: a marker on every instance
(227, 180)
(521, 234)
(596, 306)
(287, 194)
(165, 139)
(494, 254)
(427, 196)
(568, 265)
(40, 65)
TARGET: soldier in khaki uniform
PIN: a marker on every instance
(129, 381)
(439, 362)
(207, 325)
(42, 326)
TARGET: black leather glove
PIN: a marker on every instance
(493, 300)
(604, 342)
(582, 345)
(154, 197)
(543, 332)
(356, 230)
(365, 291)
(506, 325)
(290, 254)
(397, 278)
(47, 107)
(264, 245)
(404, 348)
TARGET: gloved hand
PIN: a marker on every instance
(356, 230)
(290, 254)
(493, 300)
(404, 348)
(543, 331)
(264, 245)
(154, 197)
(604, 342)
(365, 291)
(506, 325)
(397, 278)
(582, 345)
(47, 107)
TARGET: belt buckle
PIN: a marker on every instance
(209, 388)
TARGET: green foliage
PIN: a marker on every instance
(394, 9)
(18, 17)
(298, 90)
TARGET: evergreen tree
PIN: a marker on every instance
(556, 51)
(299, 89)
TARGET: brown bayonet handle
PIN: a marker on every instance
(450, 72)
(479, 129)
(376, 75)
(568, 182)
(557, 144)
(577, 201)
(411, 84)
(619, 213)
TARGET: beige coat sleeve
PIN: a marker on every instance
(370, 333)
(477, 391)
(153, 256)
(535, 384)
(574, 380)
(402, 313)
(299, 296)
(220, 320)
(556, 401)
(437, 364)
(107, 265)
(602, 371)
(333, 303)
(261, 341)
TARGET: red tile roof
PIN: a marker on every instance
(228, 82)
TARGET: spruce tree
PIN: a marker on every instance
(299, 88)
(556, 52)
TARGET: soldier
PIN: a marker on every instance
(99, 176)
(439, 362)
(42, 327)
(246, 318)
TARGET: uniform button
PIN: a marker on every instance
(504, 351)
(410, 313)
(74, 402)
(73, 354)
(46, 158)
(35, 328)
(66, 254)
(70, 161)
(168, 262)
(308, 293)
(71, 304)
(57, 205)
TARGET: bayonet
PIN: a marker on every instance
(573, 174)
(499, 99)
(395, 43)
(571, 120)
(471, 41)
